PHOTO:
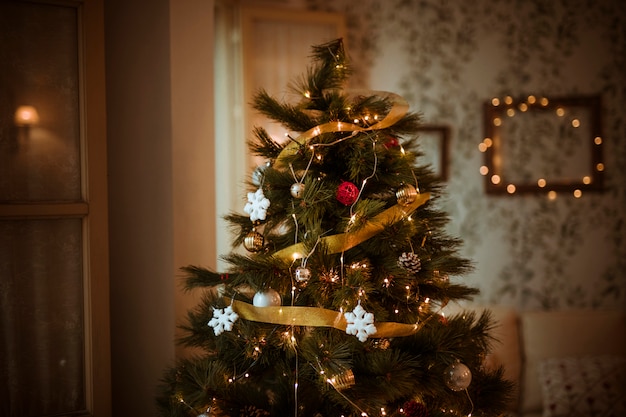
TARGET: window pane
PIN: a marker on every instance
(39, 68)
(42, 319)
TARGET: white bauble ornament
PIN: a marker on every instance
(457, 376)
(297, 190)
(266, 298)
(303, 274)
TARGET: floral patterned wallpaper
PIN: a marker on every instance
(447, 58)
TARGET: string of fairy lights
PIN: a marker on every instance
(460, 375)
(457, 376)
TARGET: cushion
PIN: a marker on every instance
(550, 334)
(590, 386)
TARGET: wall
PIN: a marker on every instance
(159, 109)
(447, 57)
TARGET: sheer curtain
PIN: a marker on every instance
(42, 290)
(256, 48)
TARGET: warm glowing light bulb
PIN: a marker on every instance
(510, 112)
(484, 170)
(482, 147)
(495, 101)
(495, 179)
(532, 99)
(560, 112)
(523, 107)
(578, 193)
(26, 116)
(488, 142)
(510, 188)
(497, 121)
(508, 99)
(541, 182)
(552, 195)
(576, 123)
(586, 179)
(544, 101)
(597, 140)
(600, 166)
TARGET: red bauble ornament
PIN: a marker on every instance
(392, 142)
(415, 409)
(347, 193)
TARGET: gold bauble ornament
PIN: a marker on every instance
(254, 241)
(343, 380)
(406, 195)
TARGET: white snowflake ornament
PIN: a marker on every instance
(257, 205)
(360, 323)
(223, 319)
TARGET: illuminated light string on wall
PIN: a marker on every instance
(507, 107)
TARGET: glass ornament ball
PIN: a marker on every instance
(297, 190)
(303, 274)
(267, 298)
(342, 380)
(254, 241)
(406, 194)
(259, 174)
(457, 376)
(347, 193)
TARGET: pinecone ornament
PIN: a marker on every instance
(410, 261)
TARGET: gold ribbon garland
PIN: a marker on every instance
(398, 110)
(320, 317)
(344, 241)
(314, 317)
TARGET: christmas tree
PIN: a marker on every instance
(335, 308)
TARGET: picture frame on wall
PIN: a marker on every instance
(434, 141)
(539, 144)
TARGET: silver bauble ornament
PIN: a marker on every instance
(266, 298)
(254, 241)
(303, 274)
(297, 190)
(406, 194)
(457, 376)
(258, 174)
